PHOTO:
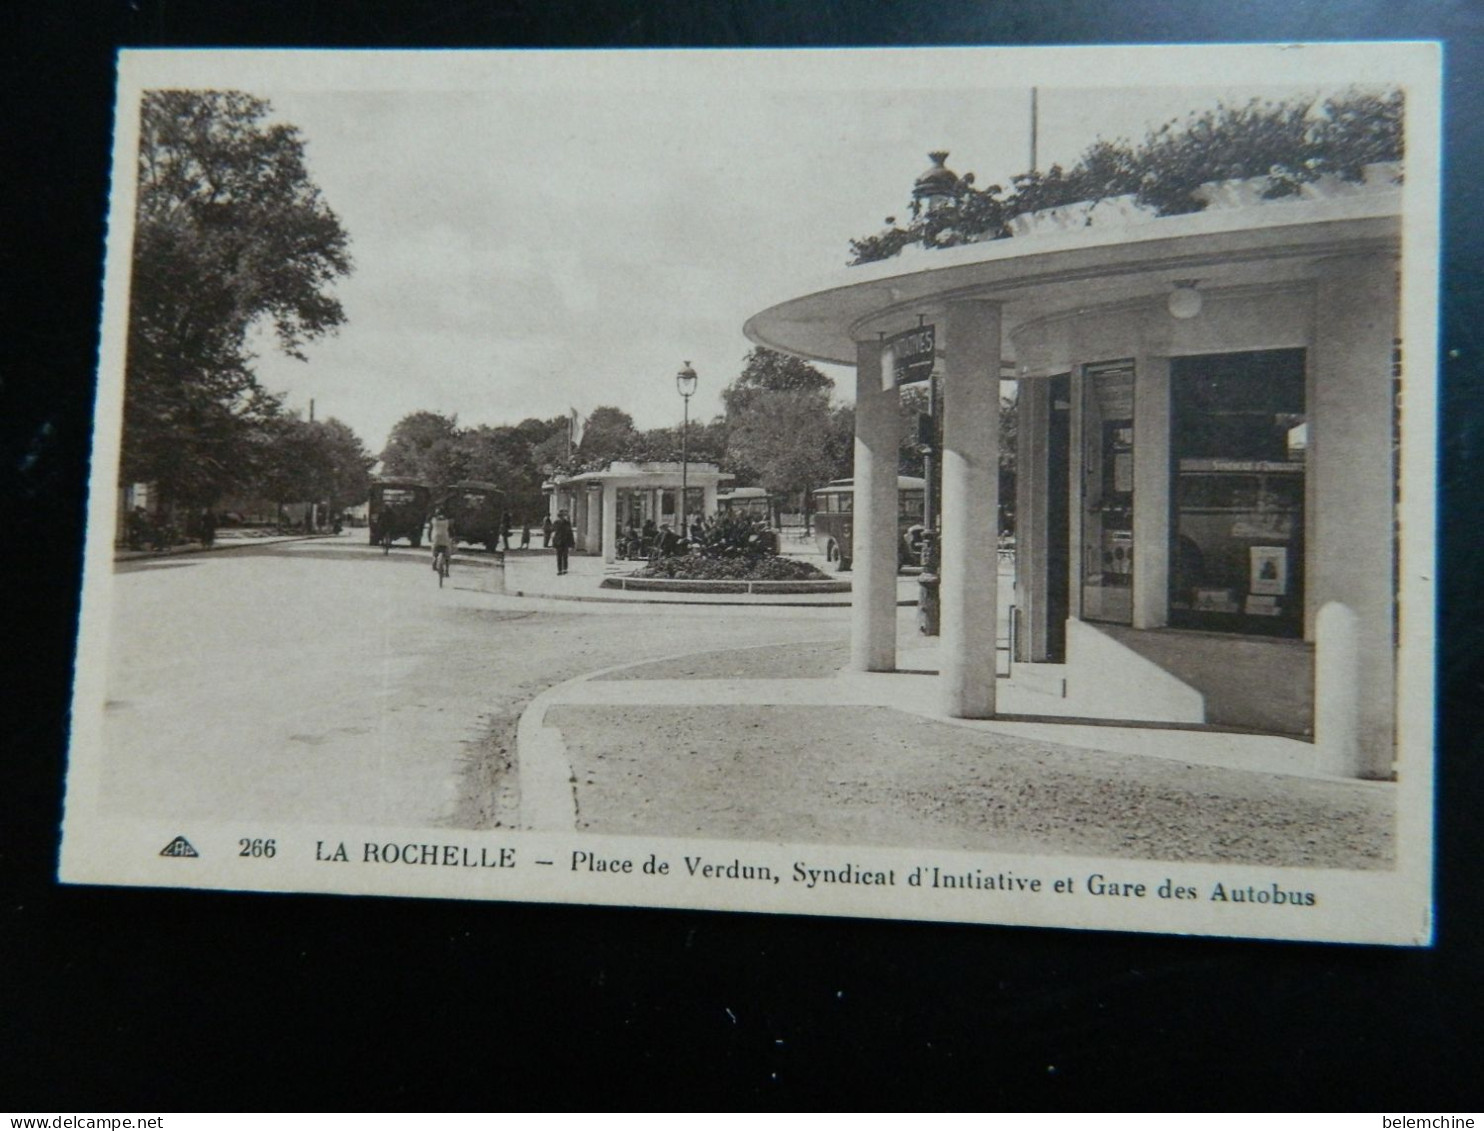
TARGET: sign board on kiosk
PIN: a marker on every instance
(912, 354)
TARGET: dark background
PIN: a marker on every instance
(159, 1000)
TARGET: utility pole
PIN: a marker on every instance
(1034, 127)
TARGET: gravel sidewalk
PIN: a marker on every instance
(877, 776)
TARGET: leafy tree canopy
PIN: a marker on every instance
(779, 435)
(320, 461)
(768, 371)
(427, 446)
(230, 232)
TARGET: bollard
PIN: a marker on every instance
(496, 583)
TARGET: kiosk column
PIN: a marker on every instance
(873, 590)
(1351, 419)
(592, 500)
(971, 508)
(609, 519)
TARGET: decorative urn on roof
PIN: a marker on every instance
(938, 185)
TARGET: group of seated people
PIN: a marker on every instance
(650, 542)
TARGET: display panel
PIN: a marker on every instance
(1239, 436)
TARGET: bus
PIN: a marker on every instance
(754, 502)
(397, 508)
(834, 506)
(475, 510)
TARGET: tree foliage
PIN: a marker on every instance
(768, 371)
(317, 461)
(1290, 143)
(779, 436)
(230, 233)
(427, 446)
(432, 447)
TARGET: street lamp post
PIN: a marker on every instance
(685, 384)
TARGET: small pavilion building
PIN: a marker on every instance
(1207, 479)
(600, 504)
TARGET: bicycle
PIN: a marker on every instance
(440, 564)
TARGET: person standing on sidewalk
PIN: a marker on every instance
(525, 535)
(562, 539)
(546, 525)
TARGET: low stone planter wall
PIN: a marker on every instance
(677, 585)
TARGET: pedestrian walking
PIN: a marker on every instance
(562, 539)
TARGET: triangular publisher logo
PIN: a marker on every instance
(179, 847)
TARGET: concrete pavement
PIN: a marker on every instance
(1030, 700)
(697, 745)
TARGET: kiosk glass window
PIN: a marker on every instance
(1238, 439)
(1108, 493)
(695, 503)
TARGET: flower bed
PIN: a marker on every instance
(693, 567)
(692, 573)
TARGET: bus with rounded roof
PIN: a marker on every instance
(834, 519)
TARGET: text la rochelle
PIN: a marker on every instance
(418, 854)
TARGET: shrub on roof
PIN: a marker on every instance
(1289, 143)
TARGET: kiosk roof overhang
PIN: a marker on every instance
(1036, 276)
(660, 474)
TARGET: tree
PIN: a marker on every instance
(768, 371)
(609, 434)
(230, 233)
(506, 455)
(320, 461)
(782, 436)
(342, 465)
(427, 446)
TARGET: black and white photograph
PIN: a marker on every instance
(980, 485)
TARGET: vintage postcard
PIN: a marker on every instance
(981, 485)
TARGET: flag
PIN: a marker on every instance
(574, 429)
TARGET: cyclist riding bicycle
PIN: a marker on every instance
(440, 538)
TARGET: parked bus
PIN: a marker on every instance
(397, 508)
(834, 519)
(475, 511)
(754, 502)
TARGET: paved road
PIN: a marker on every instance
(322, 681)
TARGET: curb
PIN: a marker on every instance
(229, 544)
(691, 585)
(548, 797)
(858, 689)
(760, 599)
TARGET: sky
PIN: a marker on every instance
(524, 249)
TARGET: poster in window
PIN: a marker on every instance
(1269, 570)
